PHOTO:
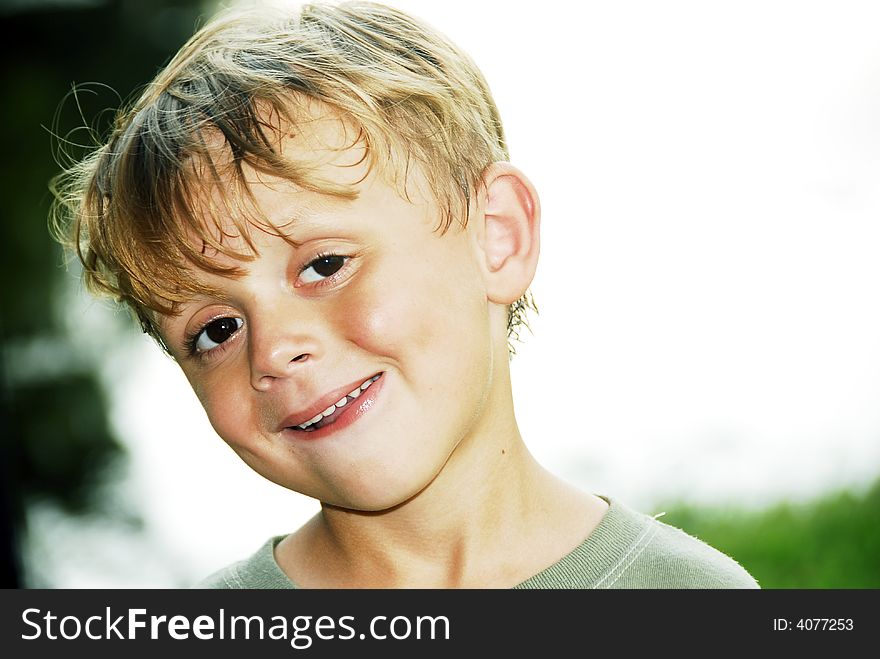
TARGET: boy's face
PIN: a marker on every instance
(369, 292)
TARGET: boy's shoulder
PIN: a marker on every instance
(680, 560)
(629, 549)
(258, 571)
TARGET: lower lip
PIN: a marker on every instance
(352, 412)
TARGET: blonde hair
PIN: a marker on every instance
(129, 210)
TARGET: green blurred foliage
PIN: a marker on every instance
(831, 542)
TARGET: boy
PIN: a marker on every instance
(313, 213)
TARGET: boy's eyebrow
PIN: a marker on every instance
(285, 227)
(304, 217)
(213, 295)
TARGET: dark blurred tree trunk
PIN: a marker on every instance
(10, 571)
(56, 441)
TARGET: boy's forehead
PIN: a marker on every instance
(322, 141)
(321, 137)
(318, 140)
(316, 137)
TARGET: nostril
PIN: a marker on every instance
(278, 365)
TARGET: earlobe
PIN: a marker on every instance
(510, 238)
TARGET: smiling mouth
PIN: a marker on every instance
(329, 416)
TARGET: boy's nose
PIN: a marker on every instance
(279, 355)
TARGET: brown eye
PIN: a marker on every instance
(323, 267)
(216, 332)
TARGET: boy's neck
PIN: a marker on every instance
(465, 529)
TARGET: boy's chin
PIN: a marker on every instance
(378, 496)
(371, 502)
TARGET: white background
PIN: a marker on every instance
(709, 327)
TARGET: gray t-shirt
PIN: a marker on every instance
(626, 550)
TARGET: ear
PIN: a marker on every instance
(509, 232)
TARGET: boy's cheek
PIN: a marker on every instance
(428, 334)
(369, 323)
(233, 418)
(396, 319)
(221, 402)
(201, 385)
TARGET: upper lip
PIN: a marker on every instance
(331, 398)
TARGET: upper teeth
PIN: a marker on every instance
(340, 403)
